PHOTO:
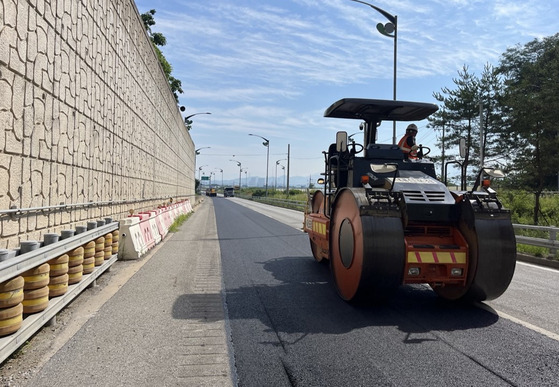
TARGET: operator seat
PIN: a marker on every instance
(338, 162)
(384, 152)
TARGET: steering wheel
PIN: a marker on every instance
(421, 152)
(356, 148)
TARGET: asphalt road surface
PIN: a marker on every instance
(290, 328)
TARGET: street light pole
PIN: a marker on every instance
(200, 170)
(195, 114)
(245, 170)
(221, 170)
(276, 179)
(390, 30)
(187, 123)
(240, 169)
(198, 150)
(266, 143)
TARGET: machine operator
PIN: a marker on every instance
(407, 143)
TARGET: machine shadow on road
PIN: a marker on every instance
(299, 298)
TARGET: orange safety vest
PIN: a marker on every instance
(403, 144)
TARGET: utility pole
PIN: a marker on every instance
(443, 177)
(481, 139)
(288, 163)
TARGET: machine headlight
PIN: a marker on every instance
(456, 272)
(414, 271)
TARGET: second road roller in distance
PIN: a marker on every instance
(383, 221)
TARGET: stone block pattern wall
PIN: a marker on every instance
(86, 115)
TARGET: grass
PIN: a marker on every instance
(178, 222)
(533, 250)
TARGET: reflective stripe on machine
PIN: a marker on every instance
(436, 257)
(319, 228)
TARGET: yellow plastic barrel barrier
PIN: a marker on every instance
(75, 265)
(35, 300)
(11, 292)
(37, 277)
(99, 251)
(58, 285)
(75, 274)
(89, 257)
(116, 237)
(75, 257)
(108, 246)
(59, 266)
(58, 275)
(89, 250)
(11, 319)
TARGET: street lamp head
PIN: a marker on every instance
(266, 141)
(390, 17)
(199, 149)
(190, 116)
(386, 29)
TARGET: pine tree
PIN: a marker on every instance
(159, 40)
(531, 113)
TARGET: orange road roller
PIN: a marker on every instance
(382, 220)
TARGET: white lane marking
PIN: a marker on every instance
(538, 267)
(533, 327)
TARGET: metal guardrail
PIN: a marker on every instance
(551, 242)
(286, 203)
(23, 262)
(33, 322)
(14, 211)
(12, 267)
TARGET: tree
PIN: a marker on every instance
(459, 117)
(458, 112)
(531, 113)
(159, 40)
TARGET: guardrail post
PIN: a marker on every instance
(553, 238)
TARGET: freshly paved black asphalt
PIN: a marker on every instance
(289, 327)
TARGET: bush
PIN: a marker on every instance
(521, 204)
(259, 192)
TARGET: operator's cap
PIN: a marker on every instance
(412, 127)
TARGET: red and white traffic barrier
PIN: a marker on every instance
(141, 232)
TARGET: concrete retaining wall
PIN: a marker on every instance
(86, 115)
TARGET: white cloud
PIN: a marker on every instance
(272, 67)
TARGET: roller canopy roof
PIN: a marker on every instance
(380, 110)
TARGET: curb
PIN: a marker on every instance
(538, 260)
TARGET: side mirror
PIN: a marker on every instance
(386, 168)
(462, 147)
(341, 142)
(383, 168)
(493, 172)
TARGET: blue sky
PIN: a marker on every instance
(271, 67)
